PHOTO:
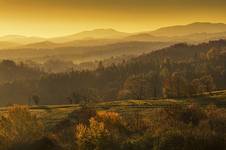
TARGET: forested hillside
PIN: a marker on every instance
(10, 71)
(178, 71)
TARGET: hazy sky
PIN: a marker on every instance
(62, 17)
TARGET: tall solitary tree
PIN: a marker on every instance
(35, 99)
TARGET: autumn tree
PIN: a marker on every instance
(19, 127)
(175, 86)
(84, 95)
(213, 53)
(135, 87)
(196, 87)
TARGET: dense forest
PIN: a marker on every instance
(180, 70)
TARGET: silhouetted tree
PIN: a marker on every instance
(208, 83)
(35, 99)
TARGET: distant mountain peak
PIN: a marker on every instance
(101, 30)
(104, 29)
(41, 45)
(101, 33)
(196, 27)
(206, 23)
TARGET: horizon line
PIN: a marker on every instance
(104, 28)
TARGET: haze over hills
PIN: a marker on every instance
(171, 31)
(190, 60)
(191, 38)
(182, 30)
(8, 45)
(86, 38)
(41, 45)
(21, 39)
(81, 54)
(191, 33)
(146, 37)
(93, 34)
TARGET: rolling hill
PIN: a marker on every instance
(93, 34)
(8, 45)
(21, 39)
(183, 51)
(182, 30)
(53, 114)
(81, 54)
(41, 45)
(192, 33)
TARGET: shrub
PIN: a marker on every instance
(18, 127)
(101, 133)
(95, 136)
(111, 120)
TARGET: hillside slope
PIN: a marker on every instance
(80, 54)
(182, 30)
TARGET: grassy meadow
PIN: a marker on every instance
(53, 114)
(124, 124)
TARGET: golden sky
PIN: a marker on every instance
(61, 17)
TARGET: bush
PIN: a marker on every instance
(19, 127)
(101, 133)
(96, 136)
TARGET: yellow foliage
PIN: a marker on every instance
(18, 126)
(104, 116)
(80, 131)
(92, 136)
(97, 129)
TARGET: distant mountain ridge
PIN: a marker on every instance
(19, 39)
(182, 30)
(92, 34)
(81, 54)
(191, 38)
(8, 45)
(192, 33)
(41, 45)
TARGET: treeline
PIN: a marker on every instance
(11, 71)
(178, 71)
(59, 65)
